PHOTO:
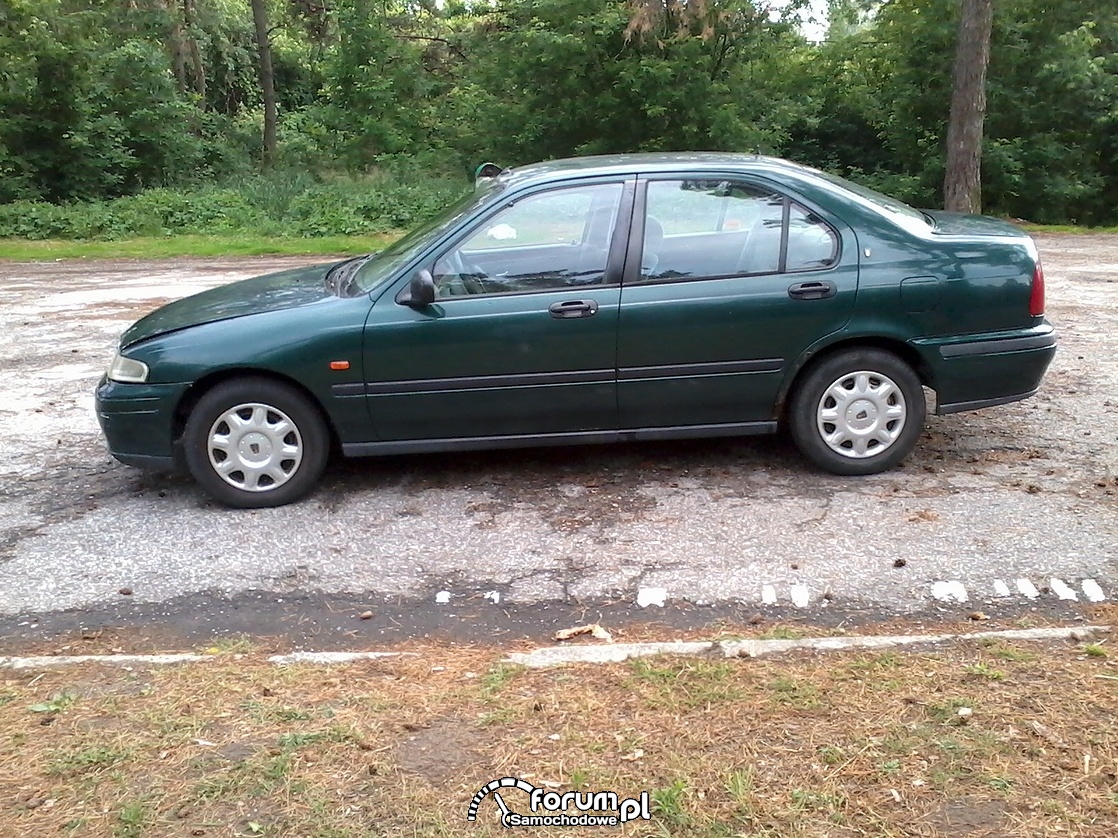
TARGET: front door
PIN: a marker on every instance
(732, 283)
(521, 339)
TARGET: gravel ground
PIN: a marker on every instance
(1015, 504)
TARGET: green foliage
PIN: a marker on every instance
(281, 203)
(386, 107)
(559, 77)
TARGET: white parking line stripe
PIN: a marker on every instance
(1060, 589)
(948, 591)
(768, 595)
(801, 596)
(1092, 590)
(1000, 588)
(1026, 587)
(651, 596)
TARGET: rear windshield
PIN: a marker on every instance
(878, 199)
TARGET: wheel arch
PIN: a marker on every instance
(207, 382)
(815, 356)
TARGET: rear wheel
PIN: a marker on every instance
(254, 443)
(857, 412)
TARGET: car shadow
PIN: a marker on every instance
(531, 468)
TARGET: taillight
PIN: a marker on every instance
(1036, 298)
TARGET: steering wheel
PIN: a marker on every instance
(468, 274)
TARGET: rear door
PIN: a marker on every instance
(728, 281)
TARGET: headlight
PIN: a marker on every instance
(128, 370)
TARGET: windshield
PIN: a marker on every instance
(384, 264)
(882, 201)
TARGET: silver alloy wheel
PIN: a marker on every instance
(861, 414)
(255, 447)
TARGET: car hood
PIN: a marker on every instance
(961, 224)
(271, 292)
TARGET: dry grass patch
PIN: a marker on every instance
(978, 739)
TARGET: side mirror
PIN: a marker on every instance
(420, 291)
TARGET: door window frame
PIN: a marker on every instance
(615, 254)
(635, 249)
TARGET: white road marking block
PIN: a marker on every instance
(1000, 588)
(949, 591)
(1092, 591)
(1027, 588)
(768, 595)
(801, 596)
(651, 596)
(1060, 589)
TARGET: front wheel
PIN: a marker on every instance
(255, 442)
(857, 412)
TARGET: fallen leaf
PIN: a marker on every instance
(593, 629)
(1044, 733)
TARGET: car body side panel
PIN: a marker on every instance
(295, 344)
(492, 365)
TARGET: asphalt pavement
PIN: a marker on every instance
(1014, 507)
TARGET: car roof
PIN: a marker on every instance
(620, 164)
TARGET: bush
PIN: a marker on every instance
(281, 203)
(34, 220)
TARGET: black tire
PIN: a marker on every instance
(275, 415)
(863, 440)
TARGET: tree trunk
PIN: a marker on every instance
(962, 184)
(267, 79)
(195, 53)
(176, 45)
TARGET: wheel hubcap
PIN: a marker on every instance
(861, 414)
(255, 447)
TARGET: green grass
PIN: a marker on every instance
(165, 247)
(982, 670)
(88, 760)
(670, 805)
(1028, 226)
(725, 750)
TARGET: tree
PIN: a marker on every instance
(962, 183)
(267, 79)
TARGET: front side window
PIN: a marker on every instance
(549, 240)
(715, 228)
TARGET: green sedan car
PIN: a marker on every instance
(594, 300)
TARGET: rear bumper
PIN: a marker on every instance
(989, 370)
(138, 420)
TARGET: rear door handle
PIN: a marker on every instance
(571, 309)
(814, 290)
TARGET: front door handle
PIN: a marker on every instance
(571, 309)
(814, 290)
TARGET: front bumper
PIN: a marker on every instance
(987, 370)
(138, 421)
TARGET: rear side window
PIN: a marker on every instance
(714, 228)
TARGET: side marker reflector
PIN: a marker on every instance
(339, 365)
